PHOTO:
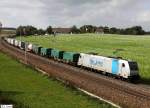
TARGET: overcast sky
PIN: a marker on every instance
(65, 13)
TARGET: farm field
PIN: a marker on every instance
(8, 32)
(136, 48)
(27, 88)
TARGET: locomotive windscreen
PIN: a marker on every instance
(133, 66)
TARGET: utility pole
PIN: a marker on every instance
(25, 51)
(0, 28)
(20, 33)
(54, 38)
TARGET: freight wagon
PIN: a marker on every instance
(23, 45)
(36, 49)
(46, 52)
(19, 44)
(71, 57)
(57, 54)
(12, 41)
(29, 47)
(16, 43)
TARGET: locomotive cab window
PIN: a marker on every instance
(123, 65)
(133, 66)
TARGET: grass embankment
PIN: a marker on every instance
(129, 47)
(27, 88)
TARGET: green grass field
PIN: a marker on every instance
(136, 48)
(26, 88)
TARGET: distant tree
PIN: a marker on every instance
(88, 29)
(19, 30)
(113, 30)
(26, 30)
(74, 29)
(106, 30)
(121, 31)
(30, 30)
(148, 32)
(101, 27)
(136, 30)
(41, 32)
(49, 30)
(83, 29)
(118, 31)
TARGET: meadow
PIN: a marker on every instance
(135, 48)
(27, 88)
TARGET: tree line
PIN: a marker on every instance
(135, 30)
(31, 30)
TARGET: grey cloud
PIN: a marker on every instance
(75, 2)
(41, 13)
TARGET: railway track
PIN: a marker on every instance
(122, 93)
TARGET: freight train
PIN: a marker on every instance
(120, 68)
